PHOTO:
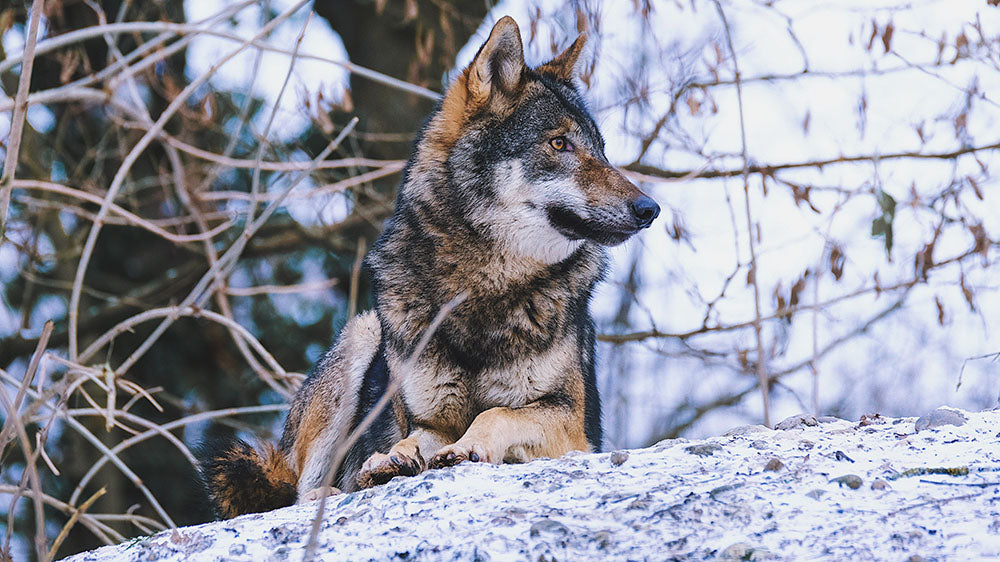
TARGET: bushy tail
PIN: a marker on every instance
(239, 479)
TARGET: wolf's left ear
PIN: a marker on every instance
(499, 64)
(563, 67)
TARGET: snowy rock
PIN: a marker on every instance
(852, 481)
(799, 420)
(618, 458)
(745, 430)
(938, 418)
(934, 495)
(704, 449)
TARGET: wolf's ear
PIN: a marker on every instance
(563, 67)
(499, 64)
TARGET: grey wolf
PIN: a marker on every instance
(509, 198)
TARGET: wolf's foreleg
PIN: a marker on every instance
(550, 427)
(408, 457)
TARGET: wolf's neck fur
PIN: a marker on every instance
(428, 254)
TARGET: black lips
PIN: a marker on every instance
(575, 227)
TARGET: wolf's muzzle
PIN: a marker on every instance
(645, 211)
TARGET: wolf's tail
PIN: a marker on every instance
(239, 479)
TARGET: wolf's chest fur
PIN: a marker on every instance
(514, 339)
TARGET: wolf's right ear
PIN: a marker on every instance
(499, 64)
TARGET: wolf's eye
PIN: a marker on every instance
(561, 144)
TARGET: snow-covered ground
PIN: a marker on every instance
(839, 490)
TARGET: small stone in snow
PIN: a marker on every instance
(870, 419)
(938, 418)
(618, 458)
(842, 456)
(548, 526)
(879, 484)
(744, 551)
(602, 538)
(816, 494)
(703, 450)
(759, 444)
(516, 512)
(745, 430)
(852, 481)
(641, 503)
(806, 444)
(800, 420)
(774, 465)
(667, 443)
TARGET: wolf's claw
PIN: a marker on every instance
(455, 454)
(380, 468)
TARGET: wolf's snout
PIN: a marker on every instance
(645, 211)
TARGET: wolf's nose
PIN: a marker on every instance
(645, 210)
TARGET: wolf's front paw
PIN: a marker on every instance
(458, 452)
(380, 468)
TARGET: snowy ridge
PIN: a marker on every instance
(838, 490)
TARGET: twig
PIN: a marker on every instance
(768, 169)
(133, 156)
(178, 312)
(30, 475)
(129, 216)
(197, 295)
(163, 430)
(352, 295)
(345, 445)
(180, 28)
(255, 179)
(72, 521)
(973, 484)
(104, 533)
(994, 356)
(281, 289)
(29, 375)
(73, 423)
(20, 113)
(936, 502)
(761, 365)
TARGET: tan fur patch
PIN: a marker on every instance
(333, 402)
(603, 184)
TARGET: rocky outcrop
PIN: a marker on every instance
(818, 489)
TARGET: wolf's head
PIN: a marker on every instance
(523, 158)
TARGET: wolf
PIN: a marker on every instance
(509, 200)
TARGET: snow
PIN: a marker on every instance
(707, 498)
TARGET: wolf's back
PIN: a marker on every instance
(240, 479)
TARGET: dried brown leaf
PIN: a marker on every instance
(982, 242)
(837, 260)
(967, 293)
(887, 36)
(871, 40)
